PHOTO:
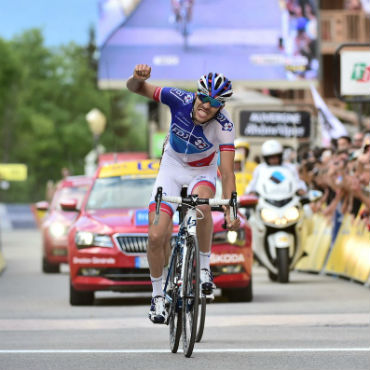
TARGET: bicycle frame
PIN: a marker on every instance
(187, 299)
(190, 225)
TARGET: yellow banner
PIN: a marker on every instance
(350, 255)
(137, 168)
(13, 172)
(2, 262)
(316, 243)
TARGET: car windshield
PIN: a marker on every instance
(120, 192)
(73, 192)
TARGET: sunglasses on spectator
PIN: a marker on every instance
(207, 99)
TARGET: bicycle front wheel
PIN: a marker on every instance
(201, 317)
(175, 305)
(190, 302)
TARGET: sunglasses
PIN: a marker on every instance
(207, 99)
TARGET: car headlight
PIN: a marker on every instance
(103, 241)
(268, 215)
(292, 214)
(230, 237)
(86, 239)
(57, 230)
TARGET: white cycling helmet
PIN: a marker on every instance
(271, 147)
(215, 85)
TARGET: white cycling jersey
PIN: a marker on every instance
(194, 145)
(191, 153)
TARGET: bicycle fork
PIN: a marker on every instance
(190, 223)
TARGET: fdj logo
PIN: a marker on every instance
(197, 141)
(180, 133)
(361, 72)
(182, 95)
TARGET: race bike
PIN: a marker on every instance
(277, 221)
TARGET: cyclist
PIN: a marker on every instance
(200, 128)
(178, 4)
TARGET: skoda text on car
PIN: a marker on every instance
(56, 223)
(108, 241)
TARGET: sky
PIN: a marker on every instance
(61, 21)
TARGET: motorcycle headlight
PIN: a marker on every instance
(85, 239)
(268, 215)
(57, 230)
(292, 214)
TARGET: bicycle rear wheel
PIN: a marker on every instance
(201, 317)
(190, 301)
(175, 312)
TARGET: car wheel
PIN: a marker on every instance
(78, 298)
(239, 294)
(49, 268)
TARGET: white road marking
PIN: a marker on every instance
(204, 350)
(215, 321)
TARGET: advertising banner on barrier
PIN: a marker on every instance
(350, 254)
(2, 263)
(316, 244)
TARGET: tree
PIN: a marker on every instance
(45, 94)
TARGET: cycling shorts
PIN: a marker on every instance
(173, 175)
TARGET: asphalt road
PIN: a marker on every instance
(314, 322)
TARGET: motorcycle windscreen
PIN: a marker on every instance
(277, 183)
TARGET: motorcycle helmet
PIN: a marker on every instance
(215, 85)
(272, 148)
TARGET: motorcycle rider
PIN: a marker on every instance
(272, 153)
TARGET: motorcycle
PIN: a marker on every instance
(277, 222)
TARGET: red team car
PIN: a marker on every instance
(107, 242)
(56, 223)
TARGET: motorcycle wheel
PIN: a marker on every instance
(282, 261)
(272, 276)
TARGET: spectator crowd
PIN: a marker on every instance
(342, 173)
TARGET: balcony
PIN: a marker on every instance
(343, 26)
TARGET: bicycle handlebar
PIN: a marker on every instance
(193, 200)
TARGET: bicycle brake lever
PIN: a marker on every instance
(233, 204)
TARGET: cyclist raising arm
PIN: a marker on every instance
(200, 128)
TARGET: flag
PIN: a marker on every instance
(331, 127)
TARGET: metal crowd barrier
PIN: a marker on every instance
(348, 256)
